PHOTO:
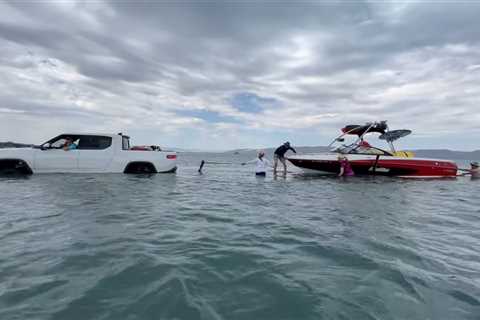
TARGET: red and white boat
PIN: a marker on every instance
(368, 160)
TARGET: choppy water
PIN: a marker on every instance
(227, 245)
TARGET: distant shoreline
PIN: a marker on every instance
(424, 153)
(10, 144)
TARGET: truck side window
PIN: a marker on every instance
(94, 143)
(125, 143)
(59, 142)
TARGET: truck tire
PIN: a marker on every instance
(14, 167)
(140, 167)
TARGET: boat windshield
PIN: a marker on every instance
(357, 148)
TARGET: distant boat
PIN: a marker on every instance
(369, 160)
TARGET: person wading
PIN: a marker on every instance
(345, 167)
(474, 170)
(279, 155)
(261, 163)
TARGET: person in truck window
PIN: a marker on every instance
(279, 155)
(69, 145)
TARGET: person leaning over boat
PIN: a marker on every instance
(279, 155)
(261, 164)
(474, 170)
(345, 167)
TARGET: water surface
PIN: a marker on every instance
(228, 245)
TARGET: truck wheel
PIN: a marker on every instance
(14, 167)
(140, 167)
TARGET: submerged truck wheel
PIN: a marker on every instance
(140, 167)
(14, 167)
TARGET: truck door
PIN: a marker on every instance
(95, 153)
(53, 158)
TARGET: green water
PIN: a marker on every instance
(228, 245)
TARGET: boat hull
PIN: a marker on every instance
(378, 165)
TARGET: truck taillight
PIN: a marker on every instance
(171, 156)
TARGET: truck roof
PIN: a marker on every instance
(93, 134)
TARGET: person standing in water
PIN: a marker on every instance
(475, 170)
(279, 155)
(345, 167)
(261, 163)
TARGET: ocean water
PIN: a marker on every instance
(227, 245)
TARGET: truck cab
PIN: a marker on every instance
(88, 153)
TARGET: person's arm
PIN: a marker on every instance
(268, 162)
(291, 148)
(249, 162)
(342, 170)
(466, 172)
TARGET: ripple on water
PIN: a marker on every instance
(225, 245)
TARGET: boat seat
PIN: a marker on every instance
(404, 154)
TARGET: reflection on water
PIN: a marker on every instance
(226, 244)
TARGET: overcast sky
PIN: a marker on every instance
(224, 75)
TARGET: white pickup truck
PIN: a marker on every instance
(87, 153)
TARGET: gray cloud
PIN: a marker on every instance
(119, 64)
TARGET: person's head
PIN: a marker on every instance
(341, 157)
(261, 154)
(68, 140)
(474, 165)
(287, 144)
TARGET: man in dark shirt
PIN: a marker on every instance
(280, 155)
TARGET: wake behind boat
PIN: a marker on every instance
(368, 160)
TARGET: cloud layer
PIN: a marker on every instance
(227, 75)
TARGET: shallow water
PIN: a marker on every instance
(228, 245)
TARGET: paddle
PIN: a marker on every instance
(201, 166)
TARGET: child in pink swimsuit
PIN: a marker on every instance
(345, 168)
